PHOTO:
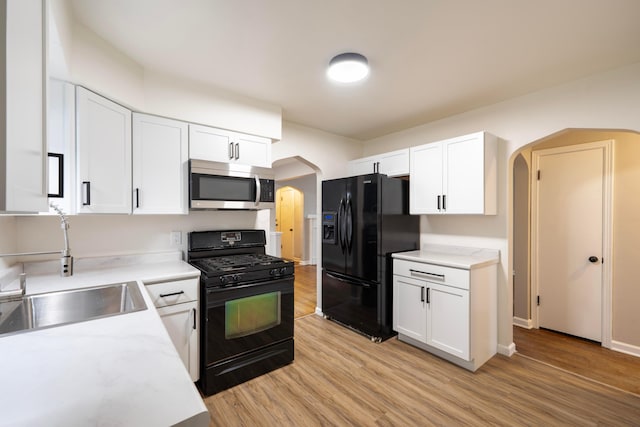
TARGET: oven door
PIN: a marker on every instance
(242, 319)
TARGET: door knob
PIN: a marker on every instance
(593, 259)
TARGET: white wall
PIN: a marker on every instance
(104, 235)
(7, 239)
(609, 100)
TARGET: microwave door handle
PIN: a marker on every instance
(258, 189)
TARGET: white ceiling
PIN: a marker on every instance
(429, 58)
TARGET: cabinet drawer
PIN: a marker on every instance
(449, 276)
(175, 292)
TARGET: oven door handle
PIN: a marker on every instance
(258, 189)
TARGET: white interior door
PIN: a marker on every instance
(568, 221)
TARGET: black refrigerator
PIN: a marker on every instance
(364, 220)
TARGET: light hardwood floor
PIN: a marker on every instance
(305, 290)
(581, 357)
(340, 378)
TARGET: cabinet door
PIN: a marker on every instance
(61, 121)
(464, 175)
(425, 185)
(448, 319)
(410, 308)
(207, 143)
(182, 324)
(252, 150)
(394, 163)
(23, 178)
(160, 154)
(362, 166)
(103, 130)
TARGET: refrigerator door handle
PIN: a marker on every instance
(341, 224)
(350, 281)
(349, 224)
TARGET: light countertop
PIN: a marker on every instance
(118, 371)
(452, 256)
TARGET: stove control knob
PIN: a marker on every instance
(235, 277)
(273, 271)
(283, 270)
(223, 280)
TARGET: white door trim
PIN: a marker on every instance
(607, 236)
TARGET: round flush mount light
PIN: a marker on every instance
(348, 68)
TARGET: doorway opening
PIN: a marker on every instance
(296, 230)
(617, 249)
(289, 222)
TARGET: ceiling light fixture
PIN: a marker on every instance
(348, 68)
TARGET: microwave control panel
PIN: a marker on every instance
(267, 190)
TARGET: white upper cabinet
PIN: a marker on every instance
(61, 144)
(103, 145)
(207, 143)
(455, 176)
(160, 156)
(393, 163)
(23, 79)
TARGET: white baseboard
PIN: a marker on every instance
(523, 323)
(306, 262)
(507, 350)
(319, 311)
(633, 350)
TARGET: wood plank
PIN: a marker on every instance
(341, 378)
(305, 292)
(580, 356)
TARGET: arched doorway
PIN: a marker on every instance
(624, 231)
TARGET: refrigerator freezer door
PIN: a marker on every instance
(351, 302)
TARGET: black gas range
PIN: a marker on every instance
(247, 307)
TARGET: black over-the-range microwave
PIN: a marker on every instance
(217, 185)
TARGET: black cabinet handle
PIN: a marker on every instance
(438, 202)
(194, 319)
(137, 197)
(171, 294)
(237, 150)
(422, 294)
(231, 151)
(428, 295)
(444, 202)
(87, 193)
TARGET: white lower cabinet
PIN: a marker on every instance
(451, 312)
(410, 308)
(177, 305)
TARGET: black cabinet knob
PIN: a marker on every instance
(593, 259)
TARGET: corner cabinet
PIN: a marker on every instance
(393, 163)
(103, 150)
(218, 145)
(451, 312)
(177, 305)
(23, 178)
(455, 176)
(160, 156)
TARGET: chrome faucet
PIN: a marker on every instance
(66, 260)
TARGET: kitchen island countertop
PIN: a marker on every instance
(119, 371)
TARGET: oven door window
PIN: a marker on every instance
(251, 315)
(223, 188)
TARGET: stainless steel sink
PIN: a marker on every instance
(65, 307)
